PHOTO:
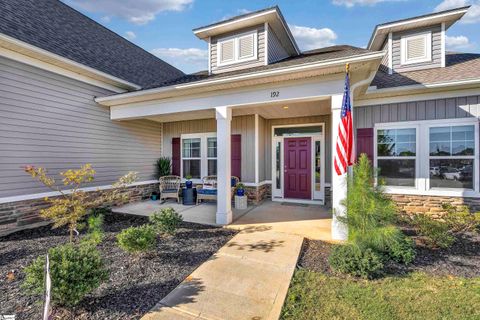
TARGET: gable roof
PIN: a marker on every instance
(459, 67)
(318, 55)
(53, 26)
(272, 15)
(381, 31)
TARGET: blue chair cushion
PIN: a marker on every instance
(169, 191)
(207, 191)
(233, 182)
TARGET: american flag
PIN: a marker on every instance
(344, 154)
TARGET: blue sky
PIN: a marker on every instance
(164, 27)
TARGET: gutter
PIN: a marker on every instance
(248, 76)
(424, 86)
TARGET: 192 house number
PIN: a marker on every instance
(274, 94)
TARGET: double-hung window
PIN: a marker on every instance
(432, 157)
(199, 155)
(396, 156)
(452, 156)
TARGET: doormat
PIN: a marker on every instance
(292, 204)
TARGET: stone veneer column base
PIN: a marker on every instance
(256, 195)
(19, 215)
(432, 205)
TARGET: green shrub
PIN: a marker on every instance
(95, 233)
(437, 233)
(75, 270)
(163, 167)
(351, 259)
(460, 219)
(137, 239)
(166, 221)
(371, 215)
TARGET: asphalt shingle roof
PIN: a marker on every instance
(56, 27)
(458, 66)
(317, 55)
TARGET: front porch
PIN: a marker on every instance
(310, 221)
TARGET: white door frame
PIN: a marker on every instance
(317, 197)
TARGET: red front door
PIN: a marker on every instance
(297, 168)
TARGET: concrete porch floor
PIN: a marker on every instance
(310, 221)
(203, 213)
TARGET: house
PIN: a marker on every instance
(263, 111)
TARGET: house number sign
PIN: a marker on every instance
(274, 94)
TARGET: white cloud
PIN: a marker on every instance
(135, 11)
(188, 60)
(130, 35)
(473, 14)
(457, 42)
(352, 3)
(313, 38)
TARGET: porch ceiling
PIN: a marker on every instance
(266, 110)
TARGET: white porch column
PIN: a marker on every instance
(224, 197)
(339, 183)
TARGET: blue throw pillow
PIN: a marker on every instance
(233, 182)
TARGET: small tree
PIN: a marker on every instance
(163, 167)
(370, 215)
(73, 204)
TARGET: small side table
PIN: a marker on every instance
(241, 202)
(189, 196)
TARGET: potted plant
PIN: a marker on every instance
(240, 189)
(189, 182)
(163, 167)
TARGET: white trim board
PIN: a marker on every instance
(55, 193)
(248, 76)
(417, 97)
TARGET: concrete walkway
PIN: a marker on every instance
(248, 278)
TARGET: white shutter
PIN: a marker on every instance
(227, 50)
(246, 47)
(416, 48)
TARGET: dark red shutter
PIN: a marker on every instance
(236, 157)
(365, 142)
(176, 156)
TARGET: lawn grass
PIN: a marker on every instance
(414, 296)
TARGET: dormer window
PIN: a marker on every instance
(416, 48)
(237, 48)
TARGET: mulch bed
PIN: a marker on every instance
(135, 284)
(461, 260)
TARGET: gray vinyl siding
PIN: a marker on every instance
(269, 123)
(243, 125)
(385, 59)
(262, 146)
(260, 61)
(52, 121)
(436, 49)
(276, 52)
(451, 108)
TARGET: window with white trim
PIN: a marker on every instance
(199, 155)
(416, 48)
(238, 48)
(452, 156)
(432, 157)
(396, 156)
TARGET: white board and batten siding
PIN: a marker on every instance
(436, 56)
(260, 61)
(52, 121)
(450, 108)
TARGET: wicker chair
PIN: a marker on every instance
(169, 187)
(208, 189)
